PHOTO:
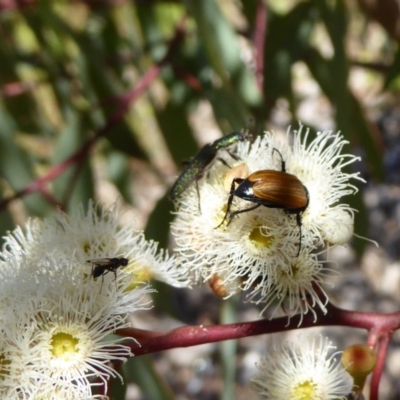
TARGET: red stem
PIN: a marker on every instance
(380, 363)
(12, 89)
(259, 42)
(187, 336)
(187, 77)
(14, 4)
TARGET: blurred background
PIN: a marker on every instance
(105, 99)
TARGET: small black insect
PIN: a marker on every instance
(102, 266)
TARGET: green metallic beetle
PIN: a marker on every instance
(195, 169)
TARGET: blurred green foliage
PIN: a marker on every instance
(122, 77)
(67, 67)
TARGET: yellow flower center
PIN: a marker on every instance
(219, 218)
(294, 268)
(4, 363)
(305, 391)
(139, 276)
(143, 275)
(107, 243)
(259, 239)
(64, 346)
(86, 247)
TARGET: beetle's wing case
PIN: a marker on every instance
(277, 189)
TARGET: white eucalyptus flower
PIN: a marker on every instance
(303, 370)
(260, 246)
(297, 288)
(59, 334)
(56, 319)
(91, 235)
(320, 167)
(23, 241)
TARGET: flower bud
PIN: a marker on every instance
(359, 360)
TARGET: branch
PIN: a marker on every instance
(186, 336)
(259, 43)
(380, 363)
(14, 4)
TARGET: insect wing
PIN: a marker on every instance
(100, 261)
(109, 263)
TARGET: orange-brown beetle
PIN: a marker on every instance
(272, 189)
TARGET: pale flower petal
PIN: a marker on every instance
(263, 245)
(303, 370)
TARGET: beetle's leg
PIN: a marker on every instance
(234, 156)
(233, 215)
(283, 163)
(230, 199)
(223, 162)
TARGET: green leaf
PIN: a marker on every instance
(117, 388)
(392, 80)
(220, 44)
(16, 166)
(158, 223)
(22, 106)
(119, 173)
(6, 221)
(335, 19)
(173, 121)
(356, 127)
(228, 349)
(141, 371)
(75, 186)
(287, 42)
